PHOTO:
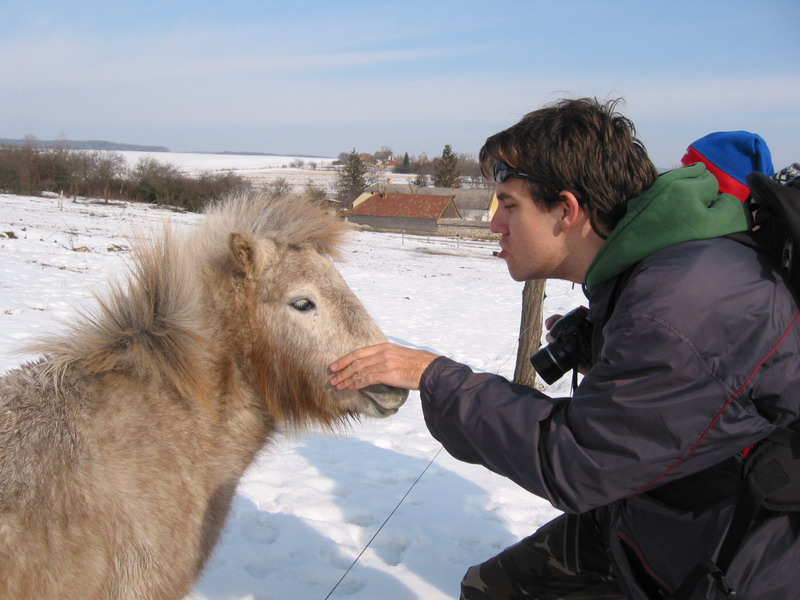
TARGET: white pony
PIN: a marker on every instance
(121, 449)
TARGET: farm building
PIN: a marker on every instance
(418, 213)
(473, 204)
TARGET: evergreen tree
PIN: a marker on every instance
(446, 170)
(405, 166)
(352, 180)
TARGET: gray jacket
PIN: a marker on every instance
(700, 358)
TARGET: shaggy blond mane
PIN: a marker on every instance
(293, 223)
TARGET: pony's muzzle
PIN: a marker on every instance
(383, 400)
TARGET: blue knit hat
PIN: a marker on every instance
(731, 156)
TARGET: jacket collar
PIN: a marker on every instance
(682, 205)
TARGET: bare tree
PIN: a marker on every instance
(278, 188)
(106, 170)
(155, 180)
(384, 155)
(315, 193)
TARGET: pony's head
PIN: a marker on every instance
(295, 313)
(249, 303)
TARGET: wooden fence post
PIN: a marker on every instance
(530, 331)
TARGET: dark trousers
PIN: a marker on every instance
(564, 560)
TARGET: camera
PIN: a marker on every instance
(571, 347)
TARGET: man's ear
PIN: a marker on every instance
(571, 209)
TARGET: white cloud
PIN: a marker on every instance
(743, 94)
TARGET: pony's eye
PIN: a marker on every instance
(303, 304)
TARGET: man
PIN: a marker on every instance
(696, 358)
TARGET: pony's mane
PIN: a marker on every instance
(290, 220)
(151, 324)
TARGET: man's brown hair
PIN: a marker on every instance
(580, 145)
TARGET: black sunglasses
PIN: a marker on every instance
(502, 172)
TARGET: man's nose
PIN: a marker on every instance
(498, 224)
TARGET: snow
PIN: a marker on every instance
(378, 511)
(261, 169)
(195, 162)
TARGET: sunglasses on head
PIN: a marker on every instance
(503, 171)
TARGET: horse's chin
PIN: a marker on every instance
(382, 400)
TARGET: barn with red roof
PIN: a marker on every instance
(419, 213)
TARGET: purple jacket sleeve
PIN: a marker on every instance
(477, 416)
(622, 433)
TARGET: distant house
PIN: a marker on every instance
(418, 213)
(472, 204)
(476, 204)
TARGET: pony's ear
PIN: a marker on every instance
(251, 256)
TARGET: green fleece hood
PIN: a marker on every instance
(683, 205)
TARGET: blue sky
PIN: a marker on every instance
(322, 77)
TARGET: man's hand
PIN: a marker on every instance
(387, 363)
(548, 323)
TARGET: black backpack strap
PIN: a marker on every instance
(747, 507)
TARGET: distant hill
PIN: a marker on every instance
(82, 145)
(116, 146)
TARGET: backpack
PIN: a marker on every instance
(770, 478)
(776, 222)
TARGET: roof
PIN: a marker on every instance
(464, 198)
(407, 206)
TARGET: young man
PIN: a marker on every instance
(696, 357)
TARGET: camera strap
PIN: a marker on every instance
(574, 380)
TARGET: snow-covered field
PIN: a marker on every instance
(195, 162)
(260, 169)
(378, 509)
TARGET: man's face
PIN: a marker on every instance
(530, 242)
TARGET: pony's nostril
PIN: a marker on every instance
(385, 399)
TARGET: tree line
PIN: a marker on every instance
(359, 171)
(31, 169)
(448, 168)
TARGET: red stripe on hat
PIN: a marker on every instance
(727, 184)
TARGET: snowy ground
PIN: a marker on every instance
(312, 504)
(194, 162)
(260, 169)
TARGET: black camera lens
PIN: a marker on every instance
(571, 346)
(553, 360)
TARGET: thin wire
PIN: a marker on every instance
(353, 564)
(513, 349)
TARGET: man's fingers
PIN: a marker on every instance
(353, 368)
(386, 363)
